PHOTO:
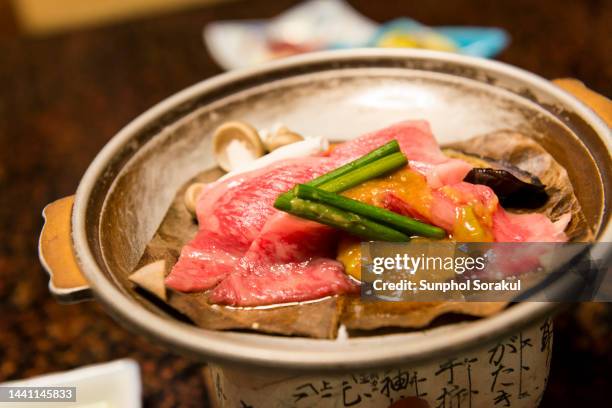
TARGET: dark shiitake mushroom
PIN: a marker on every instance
(511, 190)
(514, 187)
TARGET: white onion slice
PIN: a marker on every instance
(305, 148)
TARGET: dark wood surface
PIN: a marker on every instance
(63, 97)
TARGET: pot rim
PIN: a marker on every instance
(303, 353)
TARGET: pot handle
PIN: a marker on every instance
(66, 281)
(601, 105)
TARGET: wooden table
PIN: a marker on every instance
(63, 97)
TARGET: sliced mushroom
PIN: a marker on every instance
(235, 144)
(512, 191)
(281, 137)
(191, 196)
(515, 188)
(151, 278)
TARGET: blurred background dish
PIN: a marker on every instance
(317, 25)
(115, 384)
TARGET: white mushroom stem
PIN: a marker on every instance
(236, 142)
(281, 137)
(308, 147)
(151, 278)
(191, 196)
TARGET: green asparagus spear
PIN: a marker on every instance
(397, 221)
(382, 151)
(367, 172)
(352, 223)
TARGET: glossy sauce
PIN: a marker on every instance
(349, 254)
(473, 218)
(407, 184)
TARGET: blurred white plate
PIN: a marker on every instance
(313, 25)
(110, 385)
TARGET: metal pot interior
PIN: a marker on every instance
(128, 189)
